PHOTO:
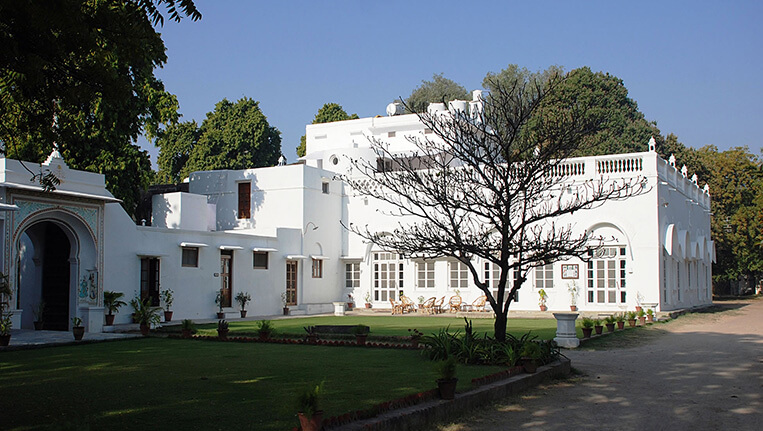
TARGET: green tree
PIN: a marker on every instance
(92, 64)
(233, 136)
(439, 89)
(328, 113)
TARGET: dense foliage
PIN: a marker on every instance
(439, 89)
(92, 64)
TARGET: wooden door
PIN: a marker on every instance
(291, 282)
(226, 270)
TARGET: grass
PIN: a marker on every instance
(182, 384)
(392, 325)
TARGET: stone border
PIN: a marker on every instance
(423, 415)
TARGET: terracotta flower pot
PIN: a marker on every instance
(620, 325)
(447, 388)
(286, 311)
(598, 329)
(529, 365)
(79, 332)
(642, 320)
(368, 305)
(5, 339)
(631, 322)
(610, 327)
(638, 308)
(573, 308)
(543, 308)
(587, 332)
(110, 319)
(144, 329)
(168, 316)
(243, 313)
(312, 423)
(220, 315)
(650, 317)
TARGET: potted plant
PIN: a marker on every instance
(5, 328)
(542, 298)
(597, 326)
(415, 337)
(368, 299)
(587, 324)
(650, 315)
(77, 329)
(447, 382)
(530, 355)
(38, 312)
(350, 303)
(610, 322)
(167, 299)
(187, 328)
(219, 303)
(620, 320)
(112, 301)
(243, 298)
(312, 335)
(573, 289)
(631, 318)
(145, 314)
(265, 329)
(284, 302)
(308, 410)
(222, 329)
(641, 317)
(361, 333)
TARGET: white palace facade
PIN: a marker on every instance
(277, 233)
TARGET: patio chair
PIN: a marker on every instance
(438, 305)
(408, 305)
(396, 308)
(478, 304)
(429, 307)
(455, 303)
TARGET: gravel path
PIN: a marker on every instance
(699, 372)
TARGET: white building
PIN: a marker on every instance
(278, 230)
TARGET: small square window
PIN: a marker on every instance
(325, 188)
(391, 134)
(260, 260)
(190, 257)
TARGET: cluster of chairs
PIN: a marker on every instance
(433, 306)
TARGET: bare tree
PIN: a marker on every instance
(492, 185)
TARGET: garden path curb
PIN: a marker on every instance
(428, 413)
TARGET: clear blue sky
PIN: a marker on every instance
(695, 67)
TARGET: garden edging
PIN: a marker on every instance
(424, 414)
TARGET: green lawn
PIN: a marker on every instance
(396, 325)
(158, 383)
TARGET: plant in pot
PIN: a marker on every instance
(573, 289)
(530, 355)
(112, 301)
(542, 298)
(641, 317)
(308, 409)
(167, 299)
(631, 318)
(361, 334)
(350, 303)
(187, 328)
(610, 322)
(447, 382)
(415, 337)
(620, 320)
(222, 329)
(243, 298)
(650, 315)
(265, 329)
(587, 327)
(145, 314)
(312, 334)
(219, 303)
(597, 326)
(368, 299)
(77, 329)
(285, 302)
(38, 311)
(5, 328)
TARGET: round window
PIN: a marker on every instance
(334, 160)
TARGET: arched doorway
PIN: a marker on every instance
(45, 274)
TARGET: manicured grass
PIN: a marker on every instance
(396, 325)
(201, 385)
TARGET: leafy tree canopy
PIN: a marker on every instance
(328, 113)
(439, 89)
(233, 136)
(92, 64)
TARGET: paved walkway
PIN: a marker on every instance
(700, 372)
(23, 338)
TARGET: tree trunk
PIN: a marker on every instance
(499, 328)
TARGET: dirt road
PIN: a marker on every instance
(699, 372)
